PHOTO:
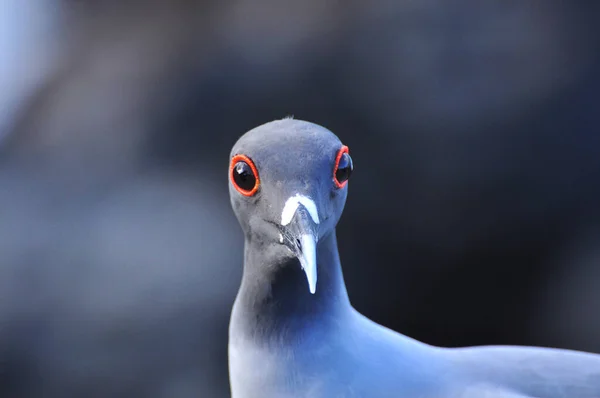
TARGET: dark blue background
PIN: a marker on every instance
(472, 216)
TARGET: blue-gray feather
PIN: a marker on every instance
(287, 342)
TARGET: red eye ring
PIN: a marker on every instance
(249, 162)
(344, 149)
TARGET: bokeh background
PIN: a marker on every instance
(473, 213)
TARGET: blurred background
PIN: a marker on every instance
(473, 212)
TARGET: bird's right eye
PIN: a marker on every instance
(244, 175)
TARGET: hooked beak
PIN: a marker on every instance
(308, 260)
(300, 234)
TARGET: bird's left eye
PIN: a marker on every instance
(343, 167)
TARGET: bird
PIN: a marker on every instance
(293, 331)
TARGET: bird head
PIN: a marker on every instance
(288, 182)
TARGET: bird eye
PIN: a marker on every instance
(244, 175)
(343, 167)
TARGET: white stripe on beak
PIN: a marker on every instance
(291, 205)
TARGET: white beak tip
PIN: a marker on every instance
(308, 261)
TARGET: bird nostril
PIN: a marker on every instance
(298, 243)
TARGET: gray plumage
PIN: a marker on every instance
(286, 341)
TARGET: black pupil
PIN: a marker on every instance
(243, 176)
(344, 168)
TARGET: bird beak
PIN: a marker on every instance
(308, 260)
(300, 234)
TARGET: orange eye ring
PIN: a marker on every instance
(232, 169)
(344, 149)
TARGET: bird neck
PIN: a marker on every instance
(274, 293)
